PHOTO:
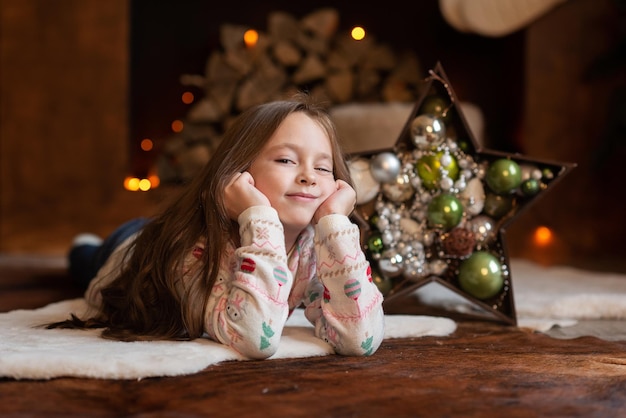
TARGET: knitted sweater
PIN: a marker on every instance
(258, 286)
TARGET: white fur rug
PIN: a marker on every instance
(561, 295)
(544, 298)
(27, 352)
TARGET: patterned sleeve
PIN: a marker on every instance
(343, 302)
(248, 306)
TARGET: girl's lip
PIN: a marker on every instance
(302, 195)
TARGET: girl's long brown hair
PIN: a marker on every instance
(143, 301)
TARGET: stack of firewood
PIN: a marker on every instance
(309, 54)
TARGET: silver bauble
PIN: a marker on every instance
(385, 167)
(391, 264)
(427, 131)
(484, 229)
(400, 190)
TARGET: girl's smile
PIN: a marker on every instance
(304, 197)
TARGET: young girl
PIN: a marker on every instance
(262, 230)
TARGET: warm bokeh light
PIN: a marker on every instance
(144, 185)
(187, 97)
(131, 183)
(147, 144)
(154, 180)
(177, 126)
(543, 236)
(250, 38)
(358, 33)
(135, 184)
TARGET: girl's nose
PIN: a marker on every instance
(307, 176)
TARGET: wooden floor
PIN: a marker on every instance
(482, 370)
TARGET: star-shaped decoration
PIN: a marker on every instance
(434, 209)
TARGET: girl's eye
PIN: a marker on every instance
(284, 161)
(323, 169)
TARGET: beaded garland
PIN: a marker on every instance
(435, 207)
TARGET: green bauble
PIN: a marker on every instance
(373, 220)
(375, 243)
(464, 145)
(503, 176)
(547, 174)
(428, 169)
(444, 211)
(530, 187)
(497, 206)
(436, 105)
(480, 275)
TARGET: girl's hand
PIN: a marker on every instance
(240, 194)
(341, 202)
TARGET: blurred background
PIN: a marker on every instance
(84, 84)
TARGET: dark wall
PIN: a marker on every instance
(575, 110)
(64, 120)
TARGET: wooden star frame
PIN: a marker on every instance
(407, 249)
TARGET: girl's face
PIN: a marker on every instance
(295, 171)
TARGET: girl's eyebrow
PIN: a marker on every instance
(296, 148)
